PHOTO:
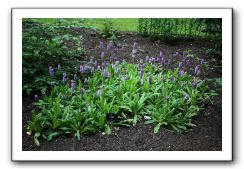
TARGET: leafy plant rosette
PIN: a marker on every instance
(100, 97)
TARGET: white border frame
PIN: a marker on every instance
(19, 155)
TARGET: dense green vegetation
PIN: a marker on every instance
(75, 96)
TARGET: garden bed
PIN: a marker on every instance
(207, 136)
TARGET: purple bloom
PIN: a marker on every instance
(104, 65)
(150, 79)
(104, 72)
(126, 70)
(202, 61)
(194, 82)
(75, 76)
(197, 68)
(101, 44)
(181, 73)
(198, 72)
(36, 97)
(108, 76)
(161, 54)
(111, 59)
(147, 58)
(174, 80)
(51, 71)
(175, 54)
(118, 70)
(109, 46)
(141, 72)
(64, 77)
(92, 70)
(126, 77)
(180, 64)
(102, 55)
(116, 50)
(98, 67)
(72, 86)
(95, 64)
(188, 63)
(82, 69)
(85, 80)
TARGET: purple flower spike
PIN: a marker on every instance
(198, 72)
(85, 80)
(109, 46)
(141, 72)
(108, 76)
(98, 67)
(161, 54)
(111, 59)
(194, 82)
(36, 97)
(75, 76)
(104, 65)
(188, 63)
(101, 44)
(51, 71)
(180, 64)
(95, 64)
(147, 58)
(150, 79)
(181, 73)
(102, 55)
(72, 86)
(118, 70)
(126, 77)
(174, 80)
(126, 70)
(82, 69)
(64, 77)
(104, 72)
(197, 68)
(202, 61)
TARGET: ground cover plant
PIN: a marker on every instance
(99, 96)
(109, 85)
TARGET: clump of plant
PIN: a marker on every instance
(45, 45)
(99, 96)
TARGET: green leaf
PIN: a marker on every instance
(52, 135)
(107, 130)
(77, 134)
(149, 122)
(157, 127)
(36, 141)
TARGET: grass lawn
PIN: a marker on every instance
(121, 24)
